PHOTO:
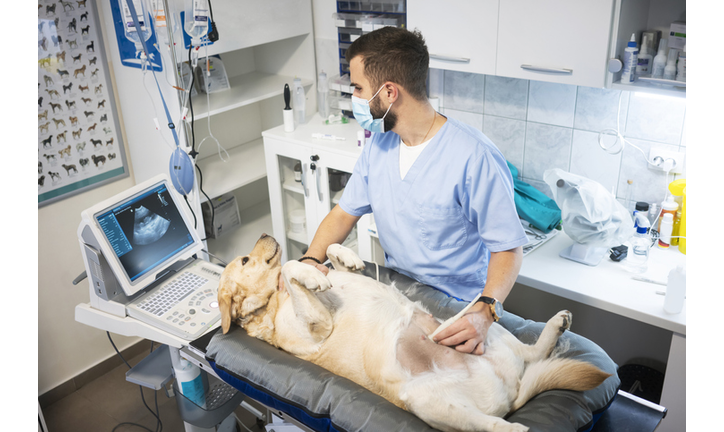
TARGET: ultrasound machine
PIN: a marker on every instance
(140, 254)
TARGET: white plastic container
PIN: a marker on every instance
(299, 101)
(665, 229)
(675, 290)
(670, 69)
(323, 95)
(645, 60)
(297, 219)
(630, 60)
(657, 71)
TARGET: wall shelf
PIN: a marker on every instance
(245, 90)
(245, 165)
(640, 86)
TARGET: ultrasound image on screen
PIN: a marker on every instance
(145, 231)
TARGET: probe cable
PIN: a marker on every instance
(159, 424)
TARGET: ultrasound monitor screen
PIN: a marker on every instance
(145, 231)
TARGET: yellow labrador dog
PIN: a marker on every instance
(372, 334)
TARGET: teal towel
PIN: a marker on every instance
(533, 205)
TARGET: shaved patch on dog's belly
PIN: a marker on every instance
(417, 353)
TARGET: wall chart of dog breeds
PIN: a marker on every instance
(79, 144)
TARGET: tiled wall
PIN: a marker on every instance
(540, 125)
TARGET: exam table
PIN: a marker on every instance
(318, 400)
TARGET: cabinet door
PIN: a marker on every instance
(561, 41)
(327, 183)
(461, 35)
(292, 199)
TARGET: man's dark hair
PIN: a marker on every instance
(394, 54)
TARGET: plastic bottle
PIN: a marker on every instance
(675, 229)
(323, 95)
(642, 207)
(657, 71)
(681, 67)
(667, 225)
(645, 60)
(630, 60)
(678, 189)
(675, 290)
(637, 260)
(670, 69)
(668, 206)
(300, 100)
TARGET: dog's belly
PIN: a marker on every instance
(417, 353)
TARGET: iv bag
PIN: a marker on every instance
(196, 20)
(129, 27)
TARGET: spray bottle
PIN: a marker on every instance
(630, 60)
(645, 61)
(660, 60)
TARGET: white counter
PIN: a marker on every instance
(607, 286)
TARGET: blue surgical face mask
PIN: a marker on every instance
(361, 110)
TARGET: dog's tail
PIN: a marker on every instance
(558, 373)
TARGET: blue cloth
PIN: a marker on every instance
(454, 207)
(533, 205)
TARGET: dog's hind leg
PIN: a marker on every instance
(449, 401)
(344, 259)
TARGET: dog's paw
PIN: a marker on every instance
(562, 320)
(306, 275)
(344, 259)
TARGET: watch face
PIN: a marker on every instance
(499, 309)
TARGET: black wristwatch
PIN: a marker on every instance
(496, 307)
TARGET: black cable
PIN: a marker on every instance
(193, 151)
(213, 34)
(155, 414)
(192, 210)
(211, 204)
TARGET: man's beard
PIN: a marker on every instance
(377, 111)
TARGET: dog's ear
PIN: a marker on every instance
(225, 309)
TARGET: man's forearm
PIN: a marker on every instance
(503, 270)
(335, 228)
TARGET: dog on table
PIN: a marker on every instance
(372, 334)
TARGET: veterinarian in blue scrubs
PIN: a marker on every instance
(440, 191)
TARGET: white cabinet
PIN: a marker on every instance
(322, 169)
(561, 41)
(636, 17)
(461, 35)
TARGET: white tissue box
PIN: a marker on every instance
(677, 35)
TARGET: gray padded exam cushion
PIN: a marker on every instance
(325, 401)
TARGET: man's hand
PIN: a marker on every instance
(468, 333)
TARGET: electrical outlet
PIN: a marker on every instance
(660, 156)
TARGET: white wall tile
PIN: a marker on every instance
(509, 136)
(546, 147)
(464, 91)
(506, 97)
(551, 103)
(655, 118)
(589, 160)
(598, 109)
(649, 185)
(471, 119)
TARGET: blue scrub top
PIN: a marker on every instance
(454, 207)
